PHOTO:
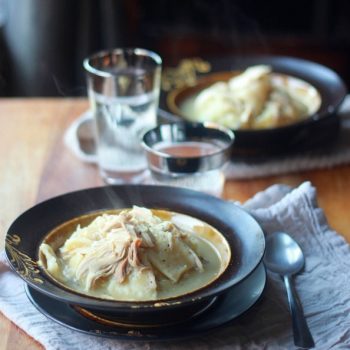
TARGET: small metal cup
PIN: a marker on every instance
(204, 172)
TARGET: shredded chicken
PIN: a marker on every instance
(133, 258)
(121, 270)
(134, 241)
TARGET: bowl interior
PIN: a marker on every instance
(215, 243)
(181, 101)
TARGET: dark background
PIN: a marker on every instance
(43, 42)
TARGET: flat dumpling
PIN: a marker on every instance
(49, 259)
(216, 104)
(252, 88)
(172, 257)
(280, 109)
(140, 284)
(235, 104)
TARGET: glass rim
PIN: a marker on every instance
(162, 162)
(131, 50)
(192, 125)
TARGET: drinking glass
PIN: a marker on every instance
(123, 88)
(191, 155)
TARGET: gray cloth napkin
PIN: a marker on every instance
(323, 286)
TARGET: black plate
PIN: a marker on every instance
(226, 308)
(241, 231)
(318, 130)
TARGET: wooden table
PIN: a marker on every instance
(36, 165)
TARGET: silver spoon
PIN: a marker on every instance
(284, 256)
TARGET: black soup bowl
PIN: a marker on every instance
(318, 130)
(242, 233)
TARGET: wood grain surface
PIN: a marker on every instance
(36, 165)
